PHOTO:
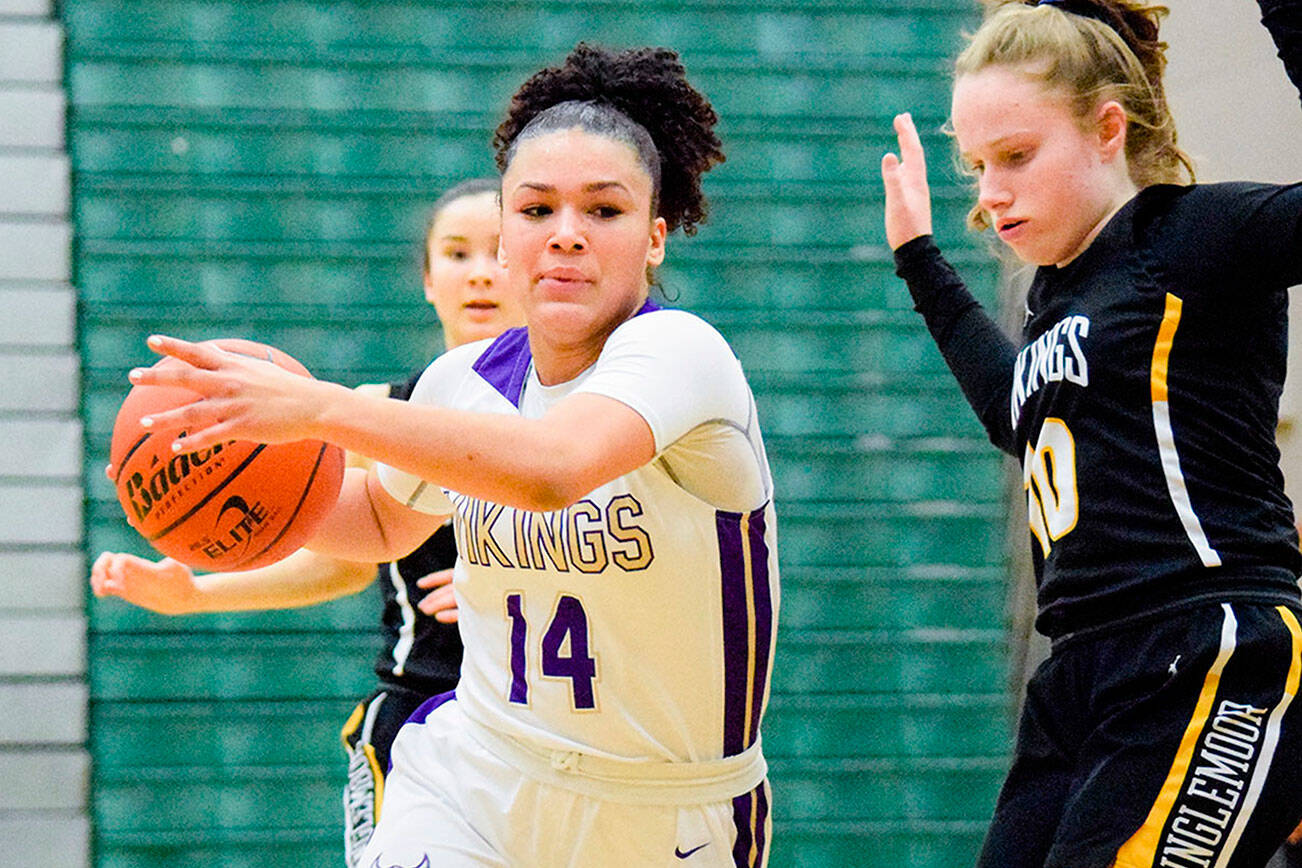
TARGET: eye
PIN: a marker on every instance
(536, 210)
(1018, 157)
(606, 212)
(457, 255)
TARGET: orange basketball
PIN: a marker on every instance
(233, 506)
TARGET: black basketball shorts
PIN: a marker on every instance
(367, 736)
(1172, 742)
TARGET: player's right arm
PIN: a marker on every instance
(979, 355)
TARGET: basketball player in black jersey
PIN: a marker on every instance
(1142, 402)
(421, 656)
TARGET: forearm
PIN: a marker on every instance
(304, 578)
(535, 464)
(978, 354)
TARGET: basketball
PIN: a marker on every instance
(233, 506)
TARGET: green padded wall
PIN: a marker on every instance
(261, 169)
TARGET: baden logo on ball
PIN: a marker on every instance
(233, 506)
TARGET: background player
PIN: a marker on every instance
(1143, 407)
(422, 655)
(617, 584)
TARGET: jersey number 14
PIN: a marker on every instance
(560, 658)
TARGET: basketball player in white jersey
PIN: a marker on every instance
(617, 579)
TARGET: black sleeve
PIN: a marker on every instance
(980, 356)
(401, 389)
(1283, 18)
(1247, 234)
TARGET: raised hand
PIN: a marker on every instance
(165, 586)
(440, 602)
(908, 199)
(243, 398)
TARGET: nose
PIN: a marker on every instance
(567, 233)
(483, 271)
(992, 193)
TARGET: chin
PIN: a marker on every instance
(1033, 255)
(561, 317)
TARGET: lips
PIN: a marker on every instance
(564, 275)
(1008, 225)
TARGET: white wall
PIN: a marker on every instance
(43, 761)
(1237, 113)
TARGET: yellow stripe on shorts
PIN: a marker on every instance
(350, 725)
(1141, 849)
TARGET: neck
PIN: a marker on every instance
(451, 341)
(1124, 195)
(559, 360)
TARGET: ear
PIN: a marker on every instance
(655, 251)
(1111, 122)
(501, 252)
(429, 285)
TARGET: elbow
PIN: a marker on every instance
(556, 483)
(358, 576)
(549, 494)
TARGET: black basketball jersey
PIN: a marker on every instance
(420, 653)
(1143, 401)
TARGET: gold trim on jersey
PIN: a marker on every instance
(1175, 483)
(748, 571)
(1140, 850)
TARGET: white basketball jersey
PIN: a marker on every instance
(639, 622)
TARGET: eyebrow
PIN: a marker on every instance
(587, 188)
(1001, 142)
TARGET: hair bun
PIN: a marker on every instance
(647, 85)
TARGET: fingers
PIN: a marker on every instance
(200, 425)
(438, 603)
(198, 355)
(891, 174)
(911, 153)
(99, 574)
(441, 603)
(106, 574)
(436, 579)
(206, 381)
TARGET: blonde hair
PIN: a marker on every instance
(1091, 51)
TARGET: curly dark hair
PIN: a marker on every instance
(640, 96)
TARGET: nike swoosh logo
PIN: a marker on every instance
(681, 855)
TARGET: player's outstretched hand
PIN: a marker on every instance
(440, 602)
(908, 200)
(165, 586)
(243, 398)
